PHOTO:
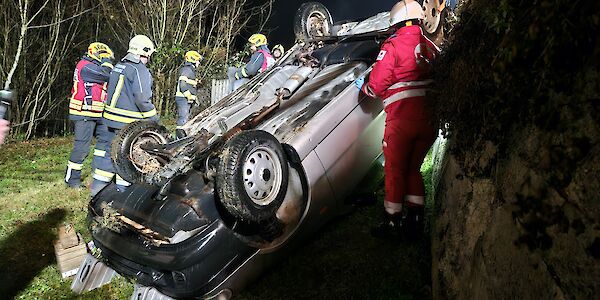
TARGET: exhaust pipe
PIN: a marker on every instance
(294, 82)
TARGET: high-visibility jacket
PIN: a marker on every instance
(186, 84)
(259, 62)
(129, 94)
(89, 89)
(402, 73)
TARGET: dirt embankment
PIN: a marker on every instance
(518, 206)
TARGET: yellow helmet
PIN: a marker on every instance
(141, 45)
(193, 56)
(98, 51)
(258, 40)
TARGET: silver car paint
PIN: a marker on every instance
(342, 139)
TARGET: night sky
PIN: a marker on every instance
(282, 20)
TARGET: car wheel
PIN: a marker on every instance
(252, 176)
(130, 161)
(433, 24)
(313, 20)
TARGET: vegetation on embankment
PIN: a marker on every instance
(518, 209)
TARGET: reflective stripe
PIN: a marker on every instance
(188, 95)
(75, 88)
(101, 178)
(244, 72)
(75, 166)
(368, 91)
(179, 127)
(119, 119)
(129, 113)
(76, 107)
(100, 153)
(410, 83)
(103, 173)
(392, 207)
(68, 175)
(115, 97)
(121, 181)
(403, 95)
(77, 101)
(85, 113)
(187, 80)
(418, 200)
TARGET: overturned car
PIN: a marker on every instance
(258, 171)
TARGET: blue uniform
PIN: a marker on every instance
(186, 92)
(129, 95)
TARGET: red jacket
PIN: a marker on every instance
(88, 93)
(401, 74)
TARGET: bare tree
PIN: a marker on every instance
(52, 35)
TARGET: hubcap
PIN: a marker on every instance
(317, 25)
(262, 175)
(142, 161)
(432, 16)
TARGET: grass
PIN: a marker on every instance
(342, 261)
(33, 203)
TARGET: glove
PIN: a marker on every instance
(359, 82)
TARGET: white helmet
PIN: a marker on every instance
(406, 10)
(141, 45)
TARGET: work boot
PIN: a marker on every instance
(390, 227)
(73, 178)
(180, 133)
(414, 222)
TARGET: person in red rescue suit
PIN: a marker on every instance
(400, 77)
(86, 106)
(129, 100)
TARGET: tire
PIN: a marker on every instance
(433, 24)
(252, 176)
(125, 153)
(305, 19)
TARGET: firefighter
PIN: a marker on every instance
(401, 77)
(129, 94)
(86, 106)
(278, 51)
(260, 61)
(186, 90)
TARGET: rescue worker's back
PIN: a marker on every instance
(129, 93)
